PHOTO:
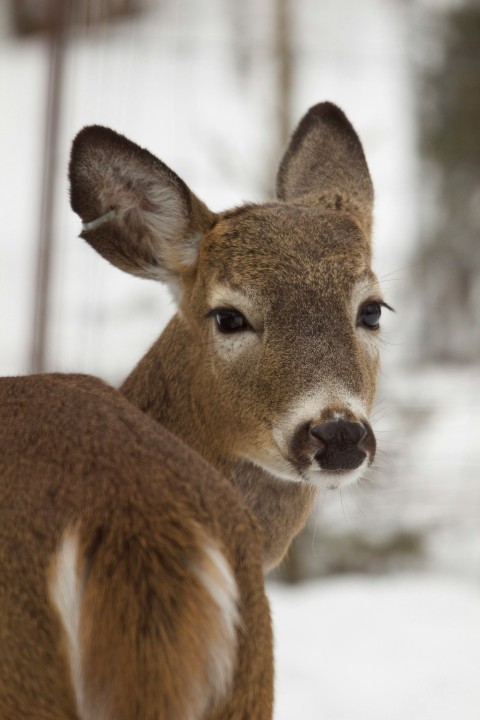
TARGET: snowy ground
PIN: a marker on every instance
(399, 647)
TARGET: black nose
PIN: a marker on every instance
(338, 444)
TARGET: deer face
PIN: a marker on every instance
(281, 305)
(284, 309)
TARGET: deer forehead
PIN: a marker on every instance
(272, 247)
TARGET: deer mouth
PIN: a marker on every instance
(308, 470)
(336, 479)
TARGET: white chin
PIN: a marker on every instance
(333, 480)
(279, 468)
(322, 479)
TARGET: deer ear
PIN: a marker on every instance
(136, 212)
(324, 164)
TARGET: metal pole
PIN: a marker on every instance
(284, 64)
(57, 42)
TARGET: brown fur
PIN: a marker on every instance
(79, 461)
(75, 454)
(335, 154)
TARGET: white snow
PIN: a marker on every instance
(396, 647)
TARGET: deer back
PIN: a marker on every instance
(131, 571)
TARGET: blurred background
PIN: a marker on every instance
(377, 607)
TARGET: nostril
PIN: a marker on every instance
(325, 432)
(338, 432)
(316, 441)
(356, 432)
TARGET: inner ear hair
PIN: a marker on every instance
(136, 211)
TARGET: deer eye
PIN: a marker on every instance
(229, 321)
(370, 314)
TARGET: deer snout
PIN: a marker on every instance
(339, 444)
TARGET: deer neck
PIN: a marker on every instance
(164, 385)
(280, 507)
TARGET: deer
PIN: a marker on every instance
(137, 524)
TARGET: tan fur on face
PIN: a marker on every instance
(297, 275)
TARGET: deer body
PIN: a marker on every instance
(125, 591)
(137, 582)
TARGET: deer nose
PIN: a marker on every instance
(338, 444)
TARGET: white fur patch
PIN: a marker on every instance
(216, 576)
(224, 296)
(306, 410)
(366, 289)
(274, 463)
(230, 345)
(65, 587)
(94, 224)
(312, 405)
(334, 481)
